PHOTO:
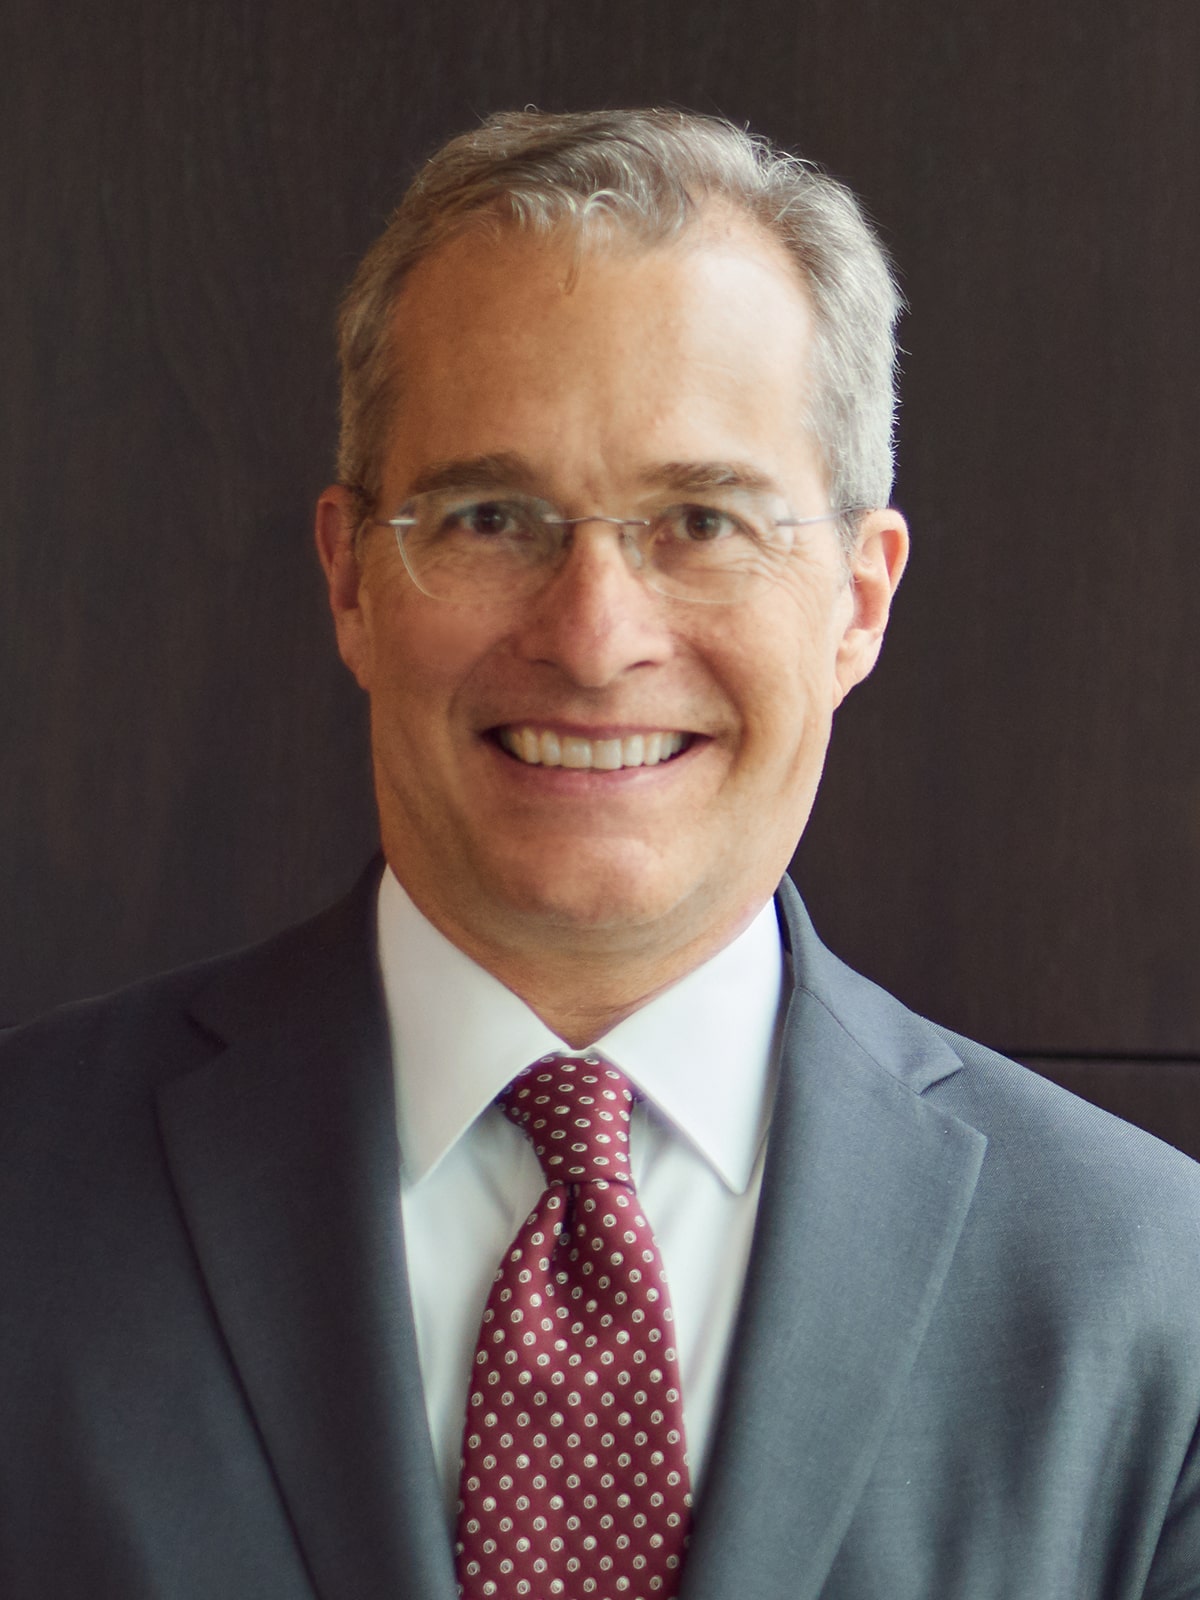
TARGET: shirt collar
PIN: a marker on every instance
(702, 1053)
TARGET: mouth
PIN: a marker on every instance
(541, 747)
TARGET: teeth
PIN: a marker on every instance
(546, 749)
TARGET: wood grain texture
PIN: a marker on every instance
(1009, 831)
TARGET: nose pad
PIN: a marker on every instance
(631, 549)
(635, 556)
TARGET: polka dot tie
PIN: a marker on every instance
(574, 1474)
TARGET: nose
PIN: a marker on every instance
(595, 619)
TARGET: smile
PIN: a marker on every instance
(541, 748)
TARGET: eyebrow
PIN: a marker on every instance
(506, 469)
(699, 476)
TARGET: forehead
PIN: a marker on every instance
(603, 348)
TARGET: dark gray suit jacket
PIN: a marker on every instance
(967, 1365)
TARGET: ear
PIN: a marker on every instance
(876, 566)
(335, 531)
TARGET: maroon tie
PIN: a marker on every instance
(574, 1475)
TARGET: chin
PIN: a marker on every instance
(583, 897)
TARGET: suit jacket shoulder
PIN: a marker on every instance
(1075, 1147)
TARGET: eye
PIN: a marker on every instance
(486, 519)
(698, 524)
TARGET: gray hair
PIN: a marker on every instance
(649, 173)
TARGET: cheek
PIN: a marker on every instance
(784, 669)
(424, 655)
(411, 635)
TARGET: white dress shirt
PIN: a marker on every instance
(702, 1055)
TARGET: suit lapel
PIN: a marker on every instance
(866, 1189)
(283, 1153)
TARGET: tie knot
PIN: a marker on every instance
(575, 1110)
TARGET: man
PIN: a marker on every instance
(844, 1305)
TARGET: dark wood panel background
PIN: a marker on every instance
(1009, 832)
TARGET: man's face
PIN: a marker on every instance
(597, 373)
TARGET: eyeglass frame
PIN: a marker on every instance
(400, 523)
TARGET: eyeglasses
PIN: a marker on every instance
(484, 551)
